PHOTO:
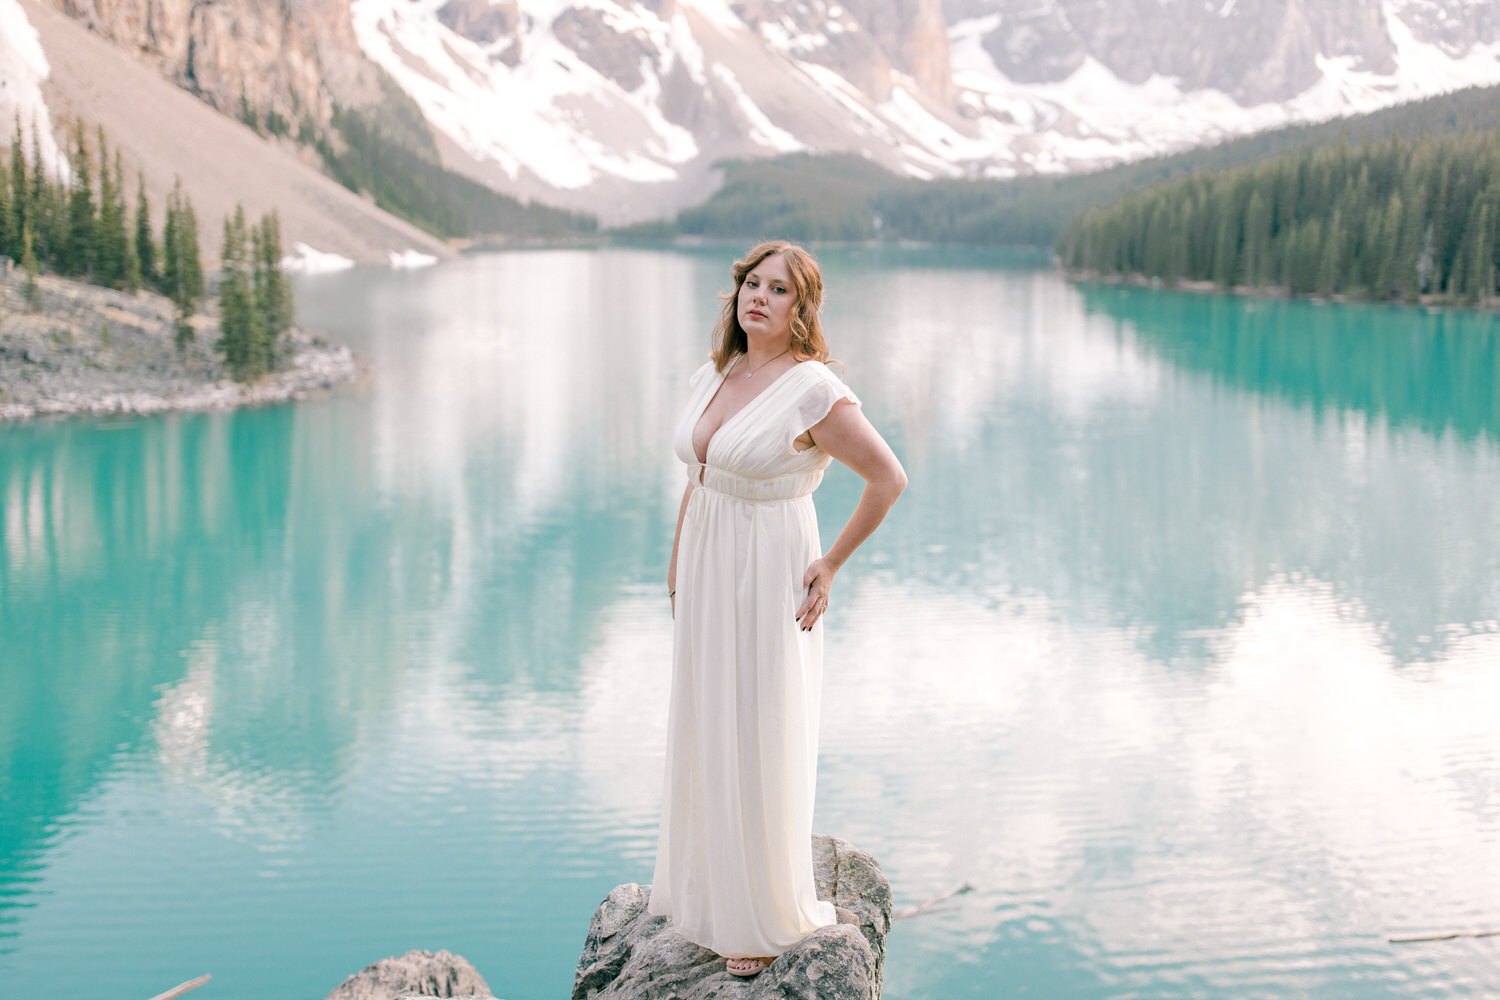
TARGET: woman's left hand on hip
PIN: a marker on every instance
(818, 580)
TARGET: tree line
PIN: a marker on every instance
(1389, 220)
(83, 229)
(844, 197)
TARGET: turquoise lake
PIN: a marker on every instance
(1182, 648)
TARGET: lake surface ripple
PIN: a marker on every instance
(1183, 648)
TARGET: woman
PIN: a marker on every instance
(749, 585)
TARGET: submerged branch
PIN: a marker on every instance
(179, 990)
(926, 906)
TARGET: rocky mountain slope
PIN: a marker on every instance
(623, 106)
(296, 59)
(163, 132)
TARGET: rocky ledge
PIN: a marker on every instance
(631, 955)
(88, 350)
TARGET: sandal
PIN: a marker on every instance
(747, 967)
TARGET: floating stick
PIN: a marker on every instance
(187, 987)
(1445, 937)
(927, 905)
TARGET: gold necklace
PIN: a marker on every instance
(752, 371)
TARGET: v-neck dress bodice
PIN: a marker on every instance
(734, 855)
(753, 454)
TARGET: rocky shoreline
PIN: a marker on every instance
(97, 351)
(631, 955)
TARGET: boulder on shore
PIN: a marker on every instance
(417, 973)
(631, 954)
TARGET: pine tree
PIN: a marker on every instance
(79, 246)
(1257, 241)
(132, 275)
(190, 260)
(240, 340)
(42, 205)
(16, 211)
(1306, 250)
(1331, 267)
(1479, 249)
(5, 239)
(1385, 250)
(273, 293)
(1226, 246)
(145, 246)
(110, 245)
(1415, 227)
(170, 276)
(182, 268)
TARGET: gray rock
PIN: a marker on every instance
(629, 953)
(415, 974)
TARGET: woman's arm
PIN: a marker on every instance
(677, 537)
(848, 436)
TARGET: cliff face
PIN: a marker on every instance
(1254, 50)
(295, 57)
(863, 41)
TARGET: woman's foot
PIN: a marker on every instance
(747, 966)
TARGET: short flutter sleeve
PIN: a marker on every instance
(815, 403)
(705, 371)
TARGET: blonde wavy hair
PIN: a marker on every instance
(730, 340)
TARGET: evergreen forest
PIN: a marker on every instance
(1390, 220)
(811, 198)
(83, 229)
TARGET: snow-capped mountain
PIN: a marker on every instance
(623, 106)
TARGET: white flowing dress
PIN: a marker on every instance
(734, 855)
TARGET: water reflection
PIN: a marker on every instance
(1187, 671)
(1436, 370)
(1074, 456)
(1251, 824)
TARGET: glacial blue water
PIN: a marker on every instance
(1182, 649)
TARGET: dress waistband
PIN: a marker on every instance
(791, 486)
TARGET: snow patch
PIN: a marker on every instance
(23, 67)
(552, 115)
(306, 260)
(686, 48)
(410, 259)
(762, 130)
(1093, 118)
(907, 113)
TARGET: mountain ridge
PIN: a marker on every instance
(644, 96)
(843, 199)
(627, 108)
